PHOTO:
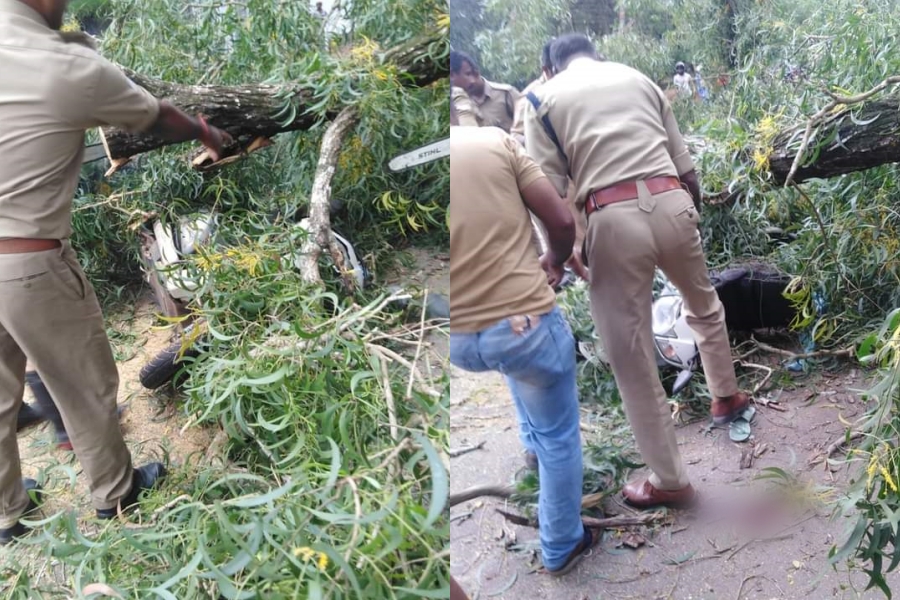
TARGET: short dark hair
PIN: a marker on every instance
(546, 62)
(566, 46)
(458, 59)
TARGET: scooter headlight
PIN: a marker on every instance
(667, 350)
(665, 313)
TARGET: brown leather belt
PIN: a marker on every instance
(627, 190)
(26, 245)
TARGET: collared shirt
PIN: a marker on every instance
(518, 127)
(494, 271)
(465, 109)
(613, 123)
(497, 108)
(51, 91)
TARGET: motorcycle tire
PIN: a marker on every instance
(166, 365)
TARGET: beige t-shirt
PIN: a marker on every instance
(494, 271)
(614, 124)
(51, 91)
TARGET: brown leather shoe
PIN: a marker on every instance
(642, 494)
(727, 409)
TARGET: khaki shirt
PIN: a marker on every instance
(497, 108)
(614, 124)
(465, 108)
(494, 271)
(51, 91)
(518, 126)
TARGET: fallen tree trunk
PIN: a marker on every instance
(854, 139)
(249, 112)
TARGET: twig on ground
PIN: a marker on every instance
(466, 449)
(390, 354)
(421, 336)
(779, 536)
(496, 491)
(507, 492)
(843, 353)
(605, 523)
(835, 446)
(389, 398)
(769, 372)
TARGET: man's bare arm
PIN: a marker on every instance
(175, 125)
(541, 198)
(693, 185)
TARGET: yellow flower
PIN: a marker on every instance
(209, 261)
(760, 159)
(307, 554)
(888, 478)
(365, 52)
(870, 470)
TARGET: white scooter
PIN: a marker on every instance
(165, 251)
(752, 296)
(672, 337)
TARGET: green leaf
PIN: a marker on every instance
(852, 542)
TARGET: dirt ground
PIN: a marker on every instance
(151, 422)
(743, 541)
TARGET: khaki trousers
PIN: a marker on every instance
(50, 313)
(624, 244)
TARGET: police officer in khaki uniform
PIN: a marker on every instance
(518, 132)
(619, 140)
(494, 103)
(54, 87)
(464, 107)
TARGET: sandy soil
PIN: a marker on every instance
(151, 423)
(744, 541)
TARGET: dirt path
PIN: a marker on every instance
(710, 553)
(151, 424)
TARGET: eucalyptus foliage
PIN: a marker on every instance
(277, 42)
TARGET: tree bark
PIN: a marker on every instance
(320, 236)
(249, 112)
(852, 140)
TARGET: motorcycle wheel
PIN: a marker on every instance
(166, 365)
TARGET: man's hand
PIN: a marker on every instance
(555, 272)
(577, 266)
(214, 139)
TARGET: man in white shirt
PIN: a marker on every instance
(682, 81)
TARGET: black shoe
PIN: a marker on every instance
(18, 530)
(29, 415)
(144, 478)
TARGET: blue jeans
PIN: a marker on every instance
(539, 365)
